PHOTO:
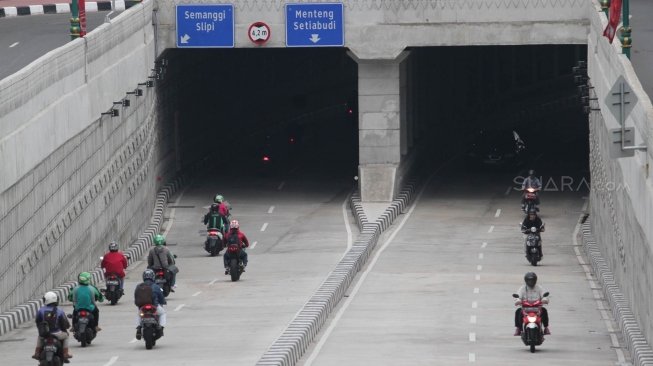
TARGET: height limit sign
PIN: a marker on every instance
(259, 33)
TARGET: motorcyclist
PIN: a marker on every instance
(235, 233)
(224, 209)
(160, 257)
(214, 220)
(114, 262)
(530, 221)
(84, 296)
(531, 292)
(158, 300)
(57, 325)
(530, 182)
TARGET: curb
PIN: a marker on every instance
(640, 350)
(12, 11)
(22, 313)
(296, 338)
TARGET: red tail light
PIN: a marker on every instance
(83, 313)
(147, 307)
(213, 232)
(160, 273)
(50, 341)
(266, 158)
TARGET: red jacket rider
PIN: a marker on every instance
(114, 261)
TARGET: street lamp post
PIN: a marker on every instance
(75, 27)
(626, 39)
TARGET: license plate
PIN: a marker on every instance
(113, 283)
(160, 281)
(83, 320)
(149, 321)
(51, 348)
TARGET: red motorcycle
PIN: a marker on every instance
(532, 331)
(161, 279)
(530, 198)
(235, 264)
(149, 325)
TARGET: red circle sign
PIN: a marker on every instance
(259, 33)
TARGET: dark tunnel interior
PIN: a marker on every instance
(271, 110)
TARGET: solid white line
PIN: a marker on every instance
(265, 225)
(172, 212)
(271, 209)
(491, 229)
(212, 282)
(111, 361)
(472, 357)
(363, 276)
(498, 213)
(253, 245)
(477, 277)
(133, 340)
(483, 245)
(480, 255)
(472, 319)
(477, 290)
(14, 44)
(197, 293)
(472, 337)
(474, 304)
(179, 307)
(345, 216)
(281, 186)
(479, 267)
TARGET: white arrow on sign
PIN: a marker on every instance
(315, 38)
(185, 38)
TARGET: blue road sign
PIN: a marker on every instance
(315, 25)
(205, 25)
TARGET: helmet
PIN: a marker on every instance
(218, 198)
(159, 240)
(234, 224)
(531, 172)
(84, 278)
(214, 207)
(113, 246)
(148, 274)
(50, 298)
(531, 279)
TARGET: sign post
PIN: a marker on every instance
(205, 26)
(315, 25)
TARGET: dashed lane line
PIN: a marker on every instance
(479, 267)
(265, 225)
(498, 213)
(271, 209)
(253, 245)
(472, 357)
(14, 44)
(480, 255)
(484, 245)
(281, 186)
(472, 319)
(214, 281)
(133, 340)
(491, 229)
(474, 304)
(179, 307)
(111, 361)
(477, 277)
(472, 337)
(197, 293)
(477, 290)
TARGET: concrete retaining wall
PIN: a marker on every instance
(621, 198)
(73, 180)
(293, 342)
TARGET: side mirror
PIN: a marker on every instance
(516, 296)
(546, 294)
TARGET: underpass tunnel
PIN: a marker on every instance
(237, 107)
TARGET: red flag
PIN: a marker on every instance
(613, 22)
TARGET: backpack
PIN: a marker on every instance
(215, 221)
(143, 295)
(50, 318)
(233, 239)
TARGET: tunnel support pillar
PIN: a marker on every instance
(380, 121)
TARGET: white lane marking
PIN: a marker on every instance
(212, 282)
(253, 245)
(477, 290)
(363, 276)
(474, 304)
(472, 357)
(179, 307)
(480, 255)
(477, 277)
(197, 293)
(483, 245)
(479, 268)
(597, 294)
(472, 319)
(491, 229)
(133, 340)
(345, 216)
(281, 186)
(172, 212)
(472, 337)
(265, 225)
(508, 190)
(498, 213)
(14, 44)
(271, 209)
(111, 361)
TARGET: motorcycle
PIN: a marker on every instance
(150, 329)
(530, 197)
(113, 292)
(52, 352)
(161, 279)
(532, 246)
(532, 332)
(235, 264)
(213, 244)
(81, 330)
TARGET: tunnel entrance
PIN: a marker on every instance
(266, 110)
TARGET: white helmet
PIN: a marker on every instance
(49, 298)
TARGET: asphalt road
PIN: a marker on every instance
(438, 289)
(642, 47)
(26, 38)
